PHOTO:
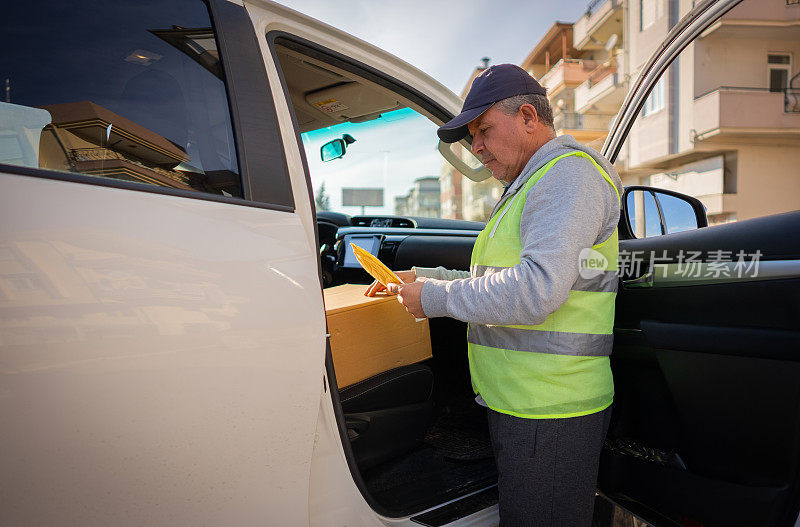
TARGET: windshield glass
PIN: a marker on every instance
(392, 167)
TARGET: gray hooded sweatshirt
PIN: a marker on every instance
(570, 208)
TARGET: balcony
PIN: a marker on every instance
(775, 10)
(738, 111)
(603, 88)
(601, 20)
(773, 20)
(589, 129)
(582, 121)
(569, 72)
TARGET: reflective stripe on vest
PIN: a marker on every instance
(559, 368)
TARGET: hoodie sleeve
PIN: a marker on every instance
(440, 273)
(569, 209)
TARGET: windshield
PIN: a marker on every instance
(393, 166)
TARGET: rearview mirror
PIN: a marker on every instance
(654, 212)
(336, 148)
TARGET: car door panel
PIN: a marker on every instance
(144, 366)
(706, 377)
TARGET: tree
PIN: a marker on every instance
(321, 199)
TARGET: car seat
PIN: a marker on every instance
(388, 414)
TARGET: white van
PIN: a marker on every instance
(163, 350)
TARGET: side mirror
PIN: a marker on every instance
(336, 148)
(649, 211)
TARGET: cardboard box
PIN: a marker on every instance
(371, 335)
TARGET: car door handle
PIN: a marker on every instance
(646, 280)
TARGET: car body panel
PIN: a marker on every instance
(144, 373)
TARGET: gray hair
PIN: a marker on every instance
(511, 105)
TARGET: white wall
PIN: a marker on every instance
(740, 62)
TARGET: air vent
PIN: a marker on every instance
(361, 221)
(382, 221)
(403, 223)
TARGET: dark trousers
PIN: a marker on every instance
(547, 468)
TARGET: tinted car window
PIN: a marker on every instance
(131, 91)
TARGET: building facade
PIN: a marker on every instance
(721, 124)
(423, 199)
(600, 38)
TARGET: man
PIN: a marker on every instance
(540, 320)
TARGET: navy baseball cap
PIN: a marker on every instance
(494, 84)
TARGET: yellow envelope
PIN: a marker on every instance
(374, 267)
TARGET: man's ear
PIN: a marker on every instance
(530, 117)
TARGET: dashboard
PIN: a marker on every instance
(399, 242)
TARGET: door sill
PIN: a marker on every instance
(458, 509)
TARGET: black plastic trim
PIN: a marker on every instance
(422, 250)
(262, 157)
(776, 236)
(74, 177)
(761, 343)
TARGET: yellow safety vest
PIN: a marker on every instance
(559, 368)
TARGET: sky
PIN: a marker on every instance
(446, 39)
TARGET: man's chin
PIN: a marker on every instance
(498, 173)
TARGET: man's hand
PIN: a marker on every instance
(410, 295)
(377, 287)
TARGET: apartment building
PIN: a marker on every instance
(562, 67)
(723, 124)
(599, 36)
(423, 199)
(450, 183)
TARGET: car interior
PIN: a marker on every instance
(707, 396)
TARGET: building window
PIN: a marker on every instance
(649, 12)
(779, 66)
(656, 101)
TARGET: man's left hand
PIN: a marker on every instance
(410, 295)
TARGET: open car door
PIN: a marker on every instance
(706, 361)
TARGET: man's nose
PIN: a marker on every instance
(477, 145)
